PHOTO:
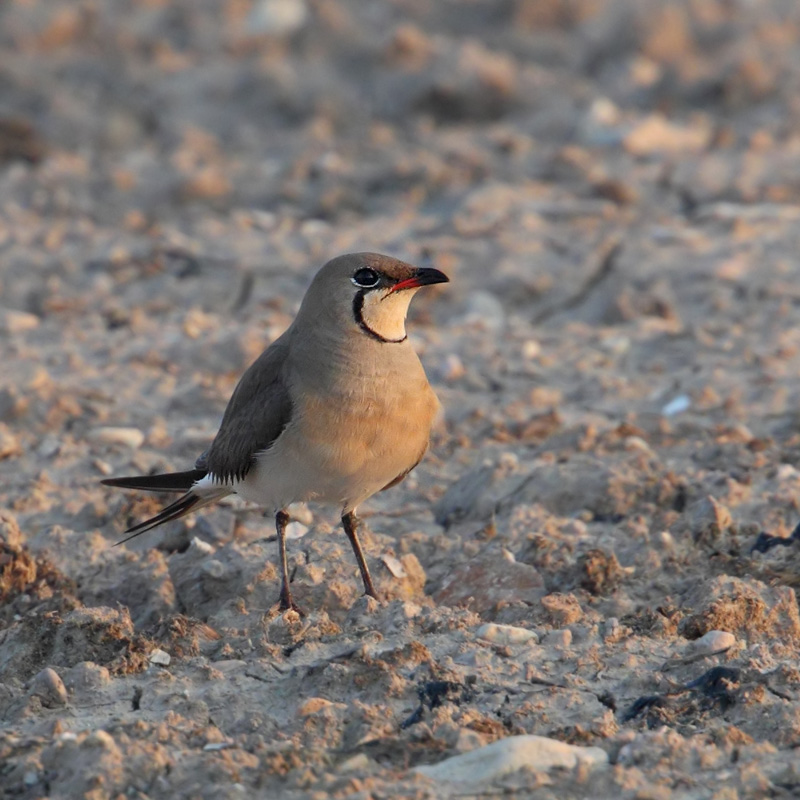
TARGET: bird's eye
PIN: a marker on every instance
(366, 278)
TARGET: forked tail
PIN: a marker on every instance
(193, 499)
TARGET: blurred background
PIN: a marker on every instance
(148, 120)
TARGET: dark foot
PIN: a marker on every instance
(292, 606)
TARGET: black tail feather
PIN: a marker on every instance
(170, 482)
(179, 508)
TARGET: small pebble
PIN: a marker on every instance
(713, 642)
(296, 530)
(786, 472)
(656, 134)
(637, 443)
(128, 437)
(409, 610)
(395, 566)
(666, 540)
(12, 321)
(103, 467)
(48, 686)
(99, 739)
(505, 634)
(356, 763)
(496, 760)
(531, 349)
(677, 405)
(160, 657)
(9, 443)
(215, 569)
(48, 447)
(204, 547)
(618, 345)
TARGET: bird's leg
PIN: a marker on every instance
(350, 523)
(281, 521)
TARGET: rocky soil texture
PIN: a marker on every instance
(589, 583)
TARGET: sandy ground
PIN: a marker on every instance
(613, 187)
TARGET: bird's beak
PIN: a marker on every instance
(424, 276)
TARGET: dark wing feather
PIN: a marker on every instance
(257, 413)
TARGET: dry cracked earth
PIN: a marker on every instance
(598, 549)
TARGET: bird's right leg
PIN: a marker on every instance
(350, 523)
(281, 521)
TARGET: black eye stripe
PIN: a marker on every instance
(366, 278)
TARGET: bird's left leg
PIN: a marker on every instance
(350, 523)
(287, 602)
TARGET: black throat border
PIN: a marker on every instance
(358, 307)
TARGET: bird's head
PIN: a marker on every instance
(369, 291)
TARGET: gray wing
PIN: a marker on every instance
(257, 413)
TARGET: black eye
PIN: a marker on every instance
(366, 278)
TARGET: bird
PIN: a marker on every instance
(335, 410)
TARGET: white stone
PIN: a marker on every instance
(358, 763)
(129, 437)
(637, 443)
(786, 472)
(666, 540)
(656, 134)
(508, 755)
(296, 530)
(12, 321)
(395, 566)
(99, 738)
(204, 547)
(677, 405)
(160, 657)
(49, 688)
(506, 634)
(611, 628)
(213, 746)
(48, 447)
(531, 349)
(277, 17)
(713, 642)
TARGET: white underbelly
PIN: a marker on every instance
(291, 473)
